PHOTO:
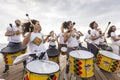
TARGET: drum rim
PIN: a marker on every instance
(82, 58)
(42, 73)
(54, 55)
(64, 48)
(12, 52)
(110, 53)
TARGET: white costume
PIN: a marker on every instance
(36, 45)
(115, 44)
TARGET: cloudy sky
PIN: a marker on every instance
(51, 13)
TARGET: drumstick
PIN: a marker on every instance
(107, 27)
(10, 25)
(96, 46)
(29, 19)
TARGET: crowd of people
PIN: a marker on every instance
(68, 37)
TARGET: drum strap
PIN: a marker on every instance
(42, 55)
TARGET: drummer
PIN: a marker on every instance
(95, 36)
(14, 37)
(60, 37)
(35, 41)
(79, 34)
(70, 37)
(103, 42)
(52, 39)
(115, 39)
(88, 40)
(13, 33)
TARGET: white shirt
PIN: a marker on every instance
(15, 38)
(72, 42)
(88, 36)
(36, 44)
(95, 33)
(113, 34)
(102, 39)
(52, 38)
(61, 38)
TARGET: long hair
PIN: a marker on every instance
(28, 27)
(109, 31)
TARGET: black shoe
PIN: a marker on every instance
(5, 70)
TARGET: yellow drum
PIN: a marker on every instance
(108, 61)
(10, 53)
(53, 54)
(63, 50)
(81, 63)
(42, 70)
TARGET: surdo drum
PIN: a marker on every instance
(42, 70)
(81, 63)
(108, 61)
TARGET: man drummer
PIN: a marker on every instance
(14, 37)
(95, 36)
(88, 40)
(35, 41)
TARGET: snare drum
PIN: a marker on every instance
(81, 63)
(53, 54)
(10, 53)
(108, 61)
(42, 70)
(64, 50)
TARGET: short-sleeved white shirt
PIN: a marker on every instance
(113, 34)
(61, 38)
(88, 36)
(95, 33)
(15, 38)
(72, 42)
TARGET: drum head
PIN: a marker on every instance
(81, 54)
(42, 67)
(109, 54)
(52, 52)
(64, 49)
(20, 58)
(13, 49)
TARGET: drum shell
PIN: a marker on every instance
(81, 67)
(9, 58)
(34, 76)
(53, 55)
(108, 64)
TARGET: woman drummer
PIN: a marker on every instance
(70, 37)
(60, 37)
(115, 39)
(35, 41)
(13, 33)
(52, 39)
